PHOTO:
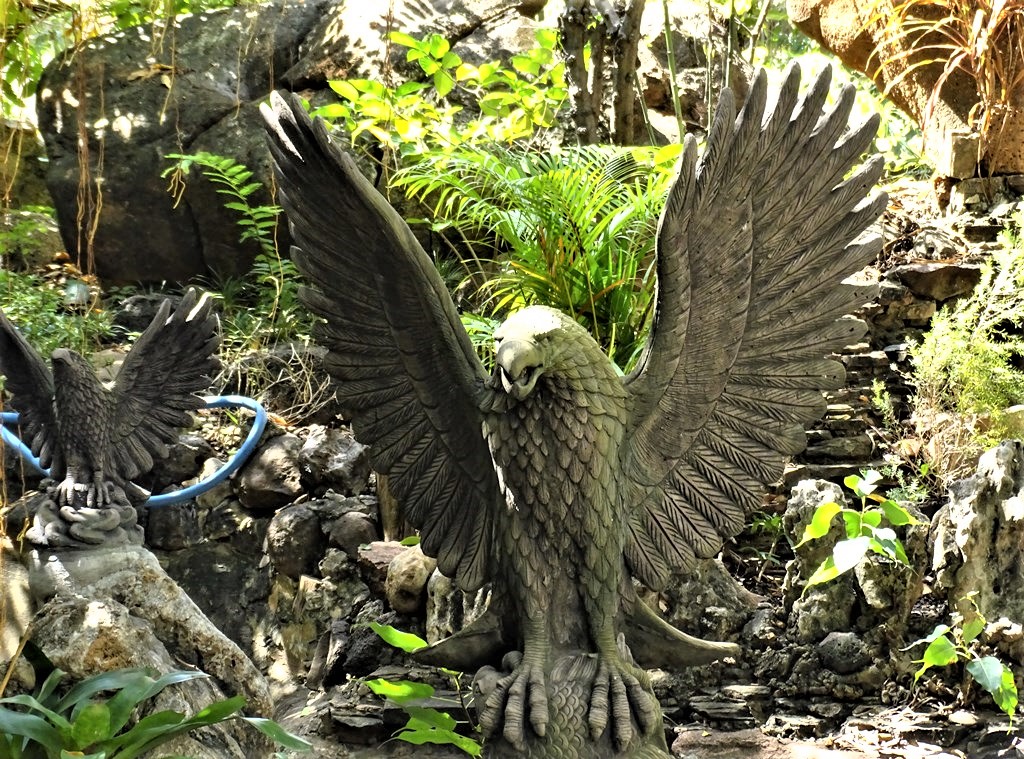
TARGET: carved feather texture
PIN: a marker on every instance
(721, 394)
(406, 373)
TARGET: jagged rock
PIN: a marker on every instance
(979, 537)
(219, 492)
(225, 581)
(352, 530)
(406, 580)
(333, 458)
(366, 651)
(843, 652)
(845, 448)
(183, 460)
(272, 476)
(88, 635)
(706, 743)
(938, 281)
(708, 602)
(449, 608)
(142, 601)
(374, 559)
(173, 527)
(295, 542)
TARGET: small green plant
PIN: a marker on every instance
(864, 530)
(571, 229)
(418, 116)
(87, 723)
(948, 644)
(966, 367)
(38, 309)
(273, 284)
(426, 724)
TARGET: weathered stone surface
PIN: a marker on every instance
(331, 457)
(406, 582)
(219, 492)
(352, 530)
(271, 479)
(130, 578)
(449, 608)
(295, 542)
(23, 167)
(979, 537)
(708, 602)
(173, 527)
(374, 559)
(938, 281)
(88, 635)
(843, 652)
(184, 459)
(705, 743)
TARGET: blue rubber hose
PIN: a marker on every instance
(240, 456)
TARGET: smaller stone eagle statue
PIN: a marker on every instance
(94, 437)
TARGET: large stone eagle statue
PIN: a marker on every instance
(95, 439)
(555, 478)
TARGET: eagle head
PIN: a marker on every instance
(536, 341)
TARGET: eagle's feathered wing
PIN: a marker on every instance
(407, 375)
(753, 245)
(29, 383)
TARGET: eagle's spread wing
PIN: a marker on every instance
(159, 384)
(752, 246)
(30, 385)
(406, 371)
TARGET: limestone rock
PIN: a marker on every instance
(295, 542)
(333, 458)
(374, 560)
(218, 493)
(271, 478)
(708, 602)
(938, 281)
(843, 652)
(406, 582)
(449, 608)
(979, 537)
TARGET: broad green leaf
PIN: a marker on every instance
(345, 89)
(939, 653)
(997, 679)
(438, 46)
(420, 717)
(412, 540)
(92, 725)
(32, 727)
(872, 517)
(896, 514)
(849, 553)
(402, 691)
(821, 522)
(852, 520)
(277, 733)
(441, 737)
(824, 573)
(443, 82)
(972, 628)
(403, 39)
(25, 700)
(407, 642)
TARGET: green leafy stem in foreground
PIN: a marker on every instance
(426, 724)
(864, 530)
(948, 644)
(84, 723)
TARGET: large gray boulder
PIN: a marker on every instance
(135, 97)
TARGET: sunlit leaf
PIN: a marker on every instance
(405, 641)
(400, 691)
(820, 523)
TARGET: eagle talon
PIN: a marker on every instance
(620, 692)
(517, 698)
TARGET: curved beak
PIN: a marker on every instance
(520, 363)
